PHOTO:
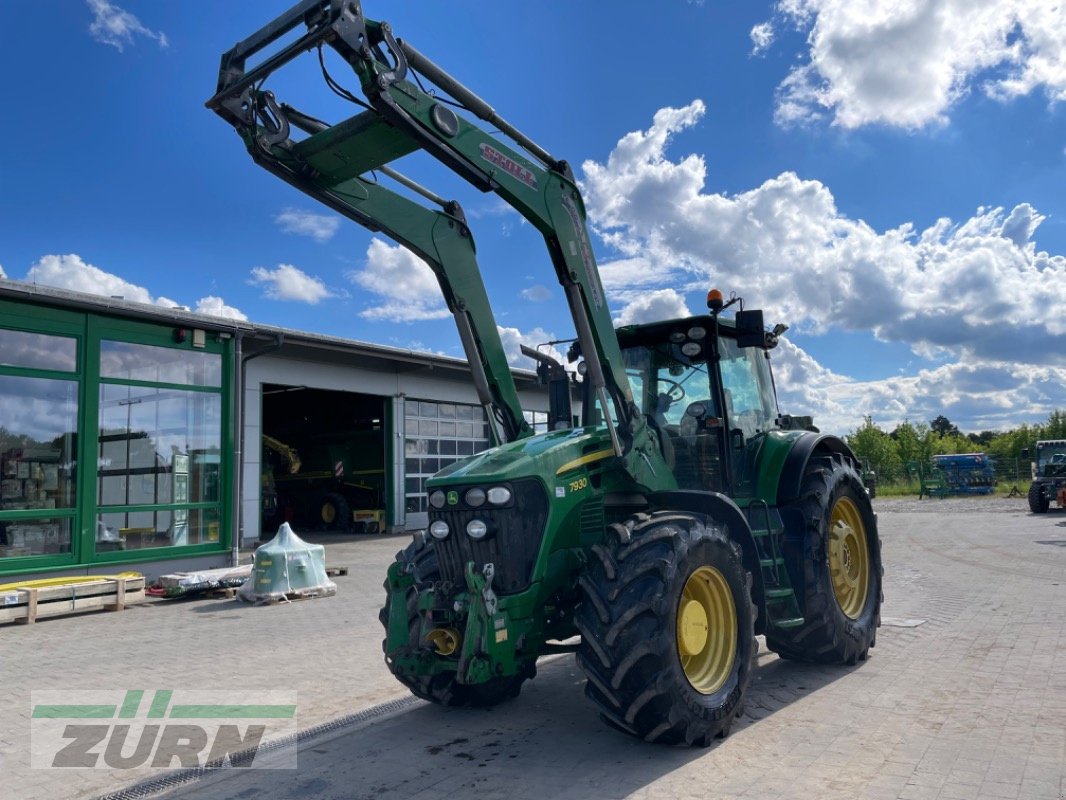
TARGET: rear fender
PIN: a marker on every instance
(809, 444)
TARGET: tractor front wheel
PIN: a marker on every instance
(442, 687)
(1038, 501)
(667, 629)
(834, 559)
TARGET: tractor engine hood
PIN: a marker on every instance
(546, 456)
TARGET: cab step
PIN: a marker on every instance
(780, 594)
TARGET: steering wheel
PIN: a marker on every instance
(674, 390)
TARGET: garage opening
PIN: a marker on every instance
(323, 460)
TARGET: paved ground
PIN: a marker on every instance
(964, 697)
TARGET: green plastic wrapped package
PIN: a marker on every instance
(287, 567)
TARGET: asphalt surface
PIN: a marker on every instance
(964, 696)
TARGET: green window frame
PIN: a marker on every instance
(180, 509)
(82, 505)
(58, 525)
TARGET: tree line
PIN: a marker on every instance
(890, 453)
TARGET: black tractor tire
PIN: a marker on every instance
(333, 512)
(632, 648)
(1038, 501)
(840, 622)
(442, 688)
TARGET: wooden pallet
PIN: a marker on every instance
(221, 593)
(299, 594)
(25, 605)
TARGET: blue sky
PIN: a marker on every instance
(884, 177)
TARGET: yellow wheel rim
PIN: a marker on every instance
(329, 513)
(849, 557)
(707, 630)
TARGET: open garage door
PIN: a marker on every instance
(323, 460)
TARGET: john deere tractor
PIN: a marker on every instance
(682, 517)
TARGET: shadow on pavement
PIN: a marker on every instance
(547, 743)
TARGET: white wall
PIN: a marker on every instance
(442, 385)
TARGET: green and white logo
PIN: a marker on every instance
(453, 498)
(162, 729)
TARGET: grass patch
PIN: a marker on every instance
(910, 489)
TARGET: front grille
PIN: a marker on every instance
(518, 530)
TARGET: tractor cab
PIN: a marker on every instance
(704, 385)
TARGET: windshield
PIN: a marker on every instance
(748, 389)
(665, 381)
(1051, 453)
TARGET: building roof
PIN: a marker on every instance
(265, 337)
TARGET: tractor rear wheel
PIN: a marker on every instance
(442, 688)
(1038, 501)
(833, 555)
(333, 511)
(667, 628)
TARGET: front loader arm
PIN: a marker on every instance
(443, 240)
(440, 238)
(402, 117)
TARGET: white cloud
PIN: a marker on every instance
(537, 293)
(978, 294)
(513, 339)
(651, 306)
(627, 277)
(492, 206)
(71, 272)
(405, 283)
(216, 307)
(907, 63)
(993, 395)
(289, 283)
(762, 36)
(320, 227)
(117, 27)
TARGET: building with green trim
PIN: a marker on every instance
(139, 437)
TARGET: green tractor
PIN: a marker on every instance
(684, 515)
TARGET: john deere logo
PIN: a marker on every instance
(453, 498)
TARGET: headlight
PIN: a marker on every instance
(475, 497)
(438, 529)
(436, 499)
(499, 495)
(476, 529)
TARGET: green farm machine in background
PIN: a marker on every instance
(334, 482)
(684, 515)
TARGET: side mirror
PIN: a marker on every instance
(750, 329)
(1025, 452)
